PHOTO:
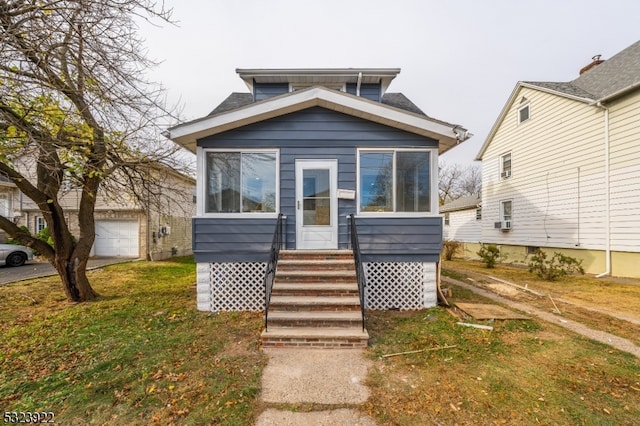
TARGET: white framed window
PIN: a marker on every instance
(239, 182)
(447, 219)
(397, 181)
(505, 166)
(40, 224)
(523, 113)
(506, 210)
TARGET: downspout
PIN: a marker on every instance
(607, 183)
(359, 83)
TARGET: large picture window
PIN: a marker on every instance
(241, 182)
(395, 181)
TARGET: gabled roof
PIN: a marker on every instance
(602, 83)
(238, 110)
(462, 203)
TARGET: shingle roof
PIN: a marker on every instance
(233, 101)
(462, 203)
(620, 72)
(399, 100)
(237, 100)
(567, 88)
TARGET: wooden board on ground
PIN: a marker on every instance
(482, 311)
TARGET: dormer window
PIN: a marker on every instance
(523, 114)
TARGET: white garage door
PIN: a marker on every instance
(116, 238)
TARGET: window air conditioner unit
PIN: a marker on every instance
(504, 225)
(506, 174)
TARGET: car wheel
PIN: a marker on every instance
(16, 259)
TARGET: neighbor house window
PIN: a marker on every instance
(241, 182)
(447, 219)
(523, 114)
(395, 181)
(505, 166)
(40, 224)
(506, 210)
(5, 204)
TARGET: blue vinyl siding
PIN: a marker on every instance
(369, 91)
(400, 239)
(318, 133)
(263, 91)
(232, 240)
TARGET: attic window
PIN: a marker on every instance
(523, 114)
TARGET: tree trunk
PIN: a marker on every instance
(73, 273)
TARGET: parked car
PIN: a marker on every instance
(14, 255)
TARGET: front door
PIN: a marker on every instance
(316, 204)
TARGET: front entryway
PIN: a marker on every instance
(316, 204)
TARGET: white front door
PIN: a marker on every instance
(316, 204)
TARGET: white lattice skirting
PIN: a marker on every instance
(390, 285)
(231, 286)
(400, 285)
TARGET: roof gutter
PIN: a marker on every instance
(607, 181)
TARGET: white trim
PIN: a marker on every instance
(187, 134)
(433, 184)
(202, 184)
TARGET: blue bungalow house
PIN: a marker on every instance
(318, 153)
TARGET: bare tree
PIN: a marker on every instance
(456, 181)
(471, 180)
(75, 109)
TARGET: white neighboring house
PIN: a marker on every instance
(8, 199)
(561, 168)
(463, 223)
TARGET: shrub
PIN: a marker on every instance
(450, 248)
(490, 253)
(552, 269)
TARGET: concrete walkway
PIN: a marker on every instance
(319, 377)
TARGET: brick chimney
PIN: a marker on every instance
(595, 62)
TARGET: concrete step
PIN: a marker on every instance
(314, 289)
(317, 319)
(314, 303)
(328, 337)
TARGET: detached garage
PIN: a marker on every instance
(117, 238)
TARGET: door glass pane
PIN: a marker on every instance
(412, 182)
(376, 180)
(316, 202)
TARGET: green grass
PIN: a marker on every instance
(141, 354)
(522, 372)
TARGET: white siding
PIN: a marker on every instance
(624, 124)
(463, 227)
(557, 183)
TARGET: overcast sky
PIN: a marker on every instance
(460, 60)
